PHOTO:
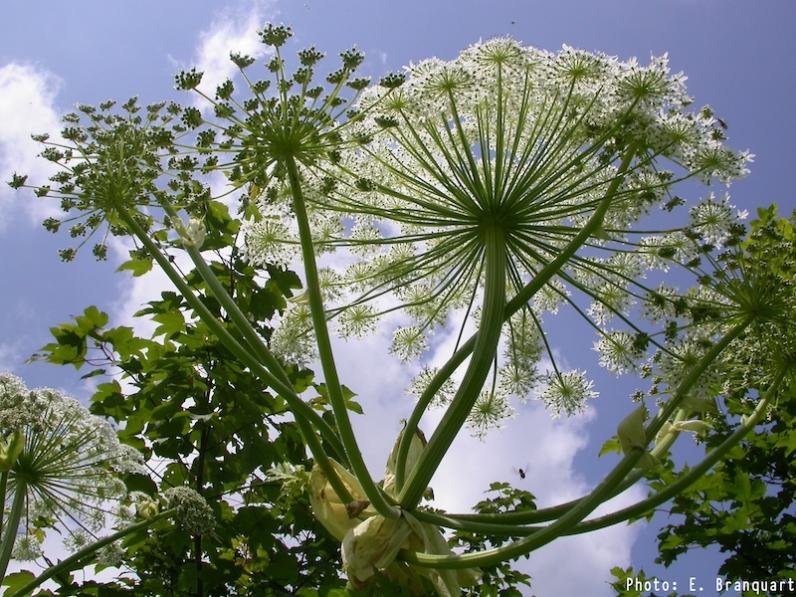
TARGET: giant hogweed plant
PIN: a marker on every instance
(482, 192)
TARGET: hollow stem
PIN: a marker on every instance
(640, 508)
(680, 393)
(331, 378)
(692, 376)
(10, 534)
(3, 487)
(604, 491)
(237, 316)
(545, 535)
(484, 351)
(693, 474)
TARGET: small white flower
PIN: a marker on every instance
(408, 343)
(26, 548)
(488, 413)
(423, 379)
(357, 321)
(712, 218)
(617, 352)
(567, 393)
(269, 241)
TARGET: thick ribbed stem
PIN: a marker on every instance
(604, 491)
(483, 355)
(3, 487)
(638, 509)
(10, 535)
(332, 380)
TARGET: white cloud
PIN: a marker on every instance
(27, 105)
(10, 357)
(230, 31)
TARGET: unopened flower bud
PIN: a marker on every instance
(193, 234)
(337, 516)
(372, 545)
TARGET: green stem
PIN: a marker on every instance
(693, 474)
(300, 408)
(240, 320)
(75, 559)
(3, 486)
(302, 411)
(560, 527)
(583, 507)
(638, 509)
(323, 340)
(483, 354)
(506, 522)
(10, 535)
(514, 305)
(680, 393)
(691, 378)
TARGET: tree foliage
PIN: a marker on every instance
(202, 420)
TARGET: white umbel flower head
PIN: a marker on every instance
(567, 393)
(618, 352)
(527, 141)
(68, 467)
(193, 515)
(490, 412)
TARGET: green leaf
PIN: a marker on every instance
(787, 441)
(610, 445)
(137, 265)
(17, 580)
(171, 323)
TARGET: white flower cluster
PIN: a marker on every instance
(70, 463)
(567, 393)
(194, 515)
(489, 412)
(510, 138)
(422, 380)
(617, 352)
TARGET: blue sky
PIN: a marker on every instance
(738, 58)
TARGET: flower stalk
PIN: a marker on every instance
(12, 523)
(81, 558)
(331, 378)
(484, 352)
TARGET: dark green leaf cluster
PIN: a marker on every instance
(205, 422)
(746, 504)
(745, 507)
